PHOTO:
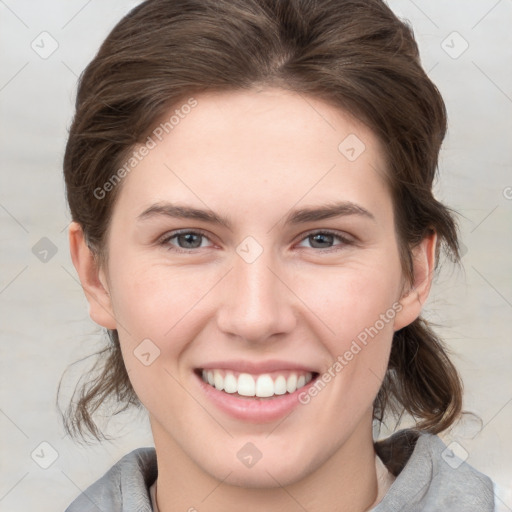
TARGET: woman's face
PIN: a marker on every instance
(277, 291)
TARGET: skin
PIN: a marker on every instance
(254, 156)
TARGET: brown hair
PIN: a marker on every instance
(354, 54)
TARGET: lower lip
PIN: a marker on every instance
(253, 409)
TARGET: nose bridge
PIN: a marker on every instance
(256, 303)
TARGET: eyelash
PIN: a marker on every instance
(167, 238)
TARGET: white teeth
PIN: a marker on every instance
(230, 383)
(280, 385)
(246, 385)
(291, 383)
(218, 380)
(262, 386)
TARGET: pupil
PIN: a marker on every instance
(188, 238)
(322, 238)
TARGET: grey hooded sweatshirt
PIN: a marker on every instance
(429, 478)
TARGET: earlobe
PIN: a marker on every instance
(92, 278)
(416, 294)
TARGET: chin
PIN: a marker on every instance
(264, 477)
(273, 471)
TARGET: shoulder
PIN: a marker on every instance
(124, 487)
(430, 476)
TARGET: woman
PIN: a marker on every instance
(251, 188)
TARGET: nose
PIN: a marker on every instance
(257, 302)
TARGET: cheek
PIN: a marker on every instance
(359, 310)
(155, 299)
(154, 307)
(359, 353)
(351, 299)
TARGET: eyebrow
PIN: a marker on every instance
(295, 217)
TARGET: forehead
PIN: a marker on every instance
(252, 148)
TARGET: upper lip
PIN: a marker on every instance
(260, 367)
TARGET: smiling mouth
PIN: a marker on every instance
(265, 385)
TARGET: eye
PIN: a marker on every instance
(325, 239)
(185, 241)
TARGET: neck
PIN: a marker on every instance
(346, 482)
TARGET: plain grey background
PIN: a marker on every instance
(466, 47)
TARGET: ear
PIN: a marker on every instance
(416, 293)
(92, 278)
